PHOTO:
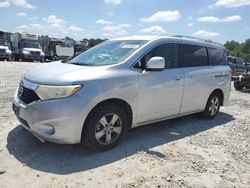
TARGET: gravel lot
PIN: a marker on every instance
(184, 152)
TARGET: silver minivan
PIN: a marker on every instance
(122, 83)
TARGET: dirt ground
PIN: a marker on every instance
(183, 152)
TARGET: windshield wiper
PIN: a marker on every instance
(79, 63)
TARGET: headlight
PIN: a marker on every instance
(42, 54)
(8, 51)
(46, 92)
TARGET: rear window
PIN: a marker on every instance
(217, 57)
(194, 56)
(231, 60)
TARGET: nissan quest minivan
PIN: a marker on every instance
(97, 96)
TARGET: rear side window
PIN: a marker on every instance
(217, 57)
(168, 51)
(194, 56)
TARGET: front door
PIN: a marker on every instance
(160, 92)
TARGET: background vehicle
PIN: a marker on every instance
(81, 46)
(120, 84)
(5, 52)
(26, 47)
(242, 81)
(56, 48)
(237, 65)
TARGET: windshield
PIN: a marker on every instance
(31, 45)
(107, 53)
(3, 42)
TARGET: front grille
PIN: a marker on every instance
(27, 95)
(35, 53)
(2, 51)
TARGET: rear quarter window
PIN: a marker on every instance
(194, 56)
(217, 56)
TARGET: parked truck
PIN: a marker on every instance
(26, 47)
(56, 48)
(5, 52)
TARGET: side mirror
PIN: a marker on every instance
(155, 64)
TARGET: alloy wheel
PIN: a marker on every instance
(214, 106)
(108, 129)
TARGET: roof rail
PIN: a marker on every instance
(196, 38)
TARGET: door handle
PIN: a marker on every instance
(178, 77)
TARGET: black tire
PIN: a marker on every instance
(93, 122)
(23, 59)
(206, 114)
(238, 86)
(16, 58)
(42, 60)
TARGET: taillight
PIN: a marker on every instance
(231, 71)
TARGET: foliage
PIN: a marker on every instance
(237, 49)
(93, 42)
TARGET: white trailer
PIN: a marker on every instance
(57, 48)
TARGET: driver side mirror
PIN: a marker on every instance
(155, 64)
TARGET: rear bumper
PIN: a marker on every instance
(59, 121)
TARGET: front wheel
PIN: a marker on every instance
(212, 107)
(105, 127)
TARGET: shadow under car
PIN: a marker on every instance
(67, 159)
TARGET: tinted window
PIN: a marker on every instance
(240, 61)
(194, 56)
(167, 51)
(231, 60)
(217, 57)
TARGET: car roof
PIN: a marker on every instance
(184, 39)
(137, 37)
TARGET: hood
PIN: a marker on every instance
(57, 73)
(32, 49)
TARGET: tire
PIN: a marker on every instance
(213, 106)
(98, 132)
(238, 86)
(16, 58)
(23, 59)
(10, 58)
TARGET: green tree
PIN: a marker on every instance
(237, 49)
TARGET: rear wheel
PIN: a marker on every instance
(238, 86)
(105, 127)
(42, 60)
(213, 106)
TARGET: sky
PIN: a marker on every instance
(219, 20)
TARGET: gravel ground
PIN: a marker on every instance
(183, 152)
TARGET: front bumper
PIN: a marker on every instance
(32, 57)
(59, 120)
(5, 56)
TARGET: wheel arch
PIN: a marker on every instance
(221, 94)
(122, 103)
